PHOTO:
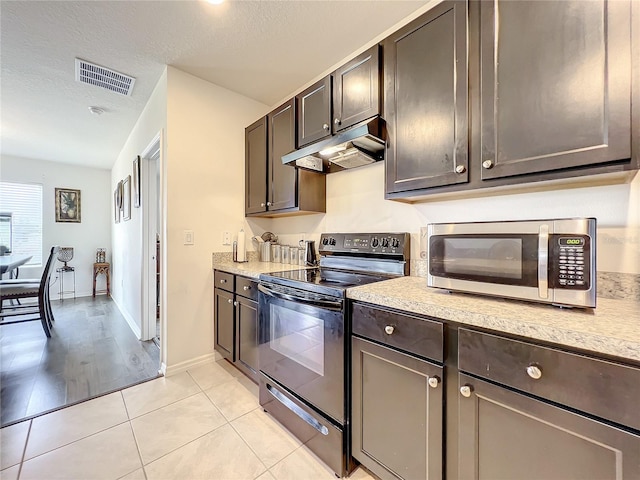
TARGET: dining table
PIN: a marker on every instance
(11, 263)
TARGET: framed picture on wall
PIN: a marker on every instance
(136, 181)
(68, 205)
(126, 198)
(116, 204)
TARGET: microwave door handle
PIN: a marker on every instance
(543, 261)
(326, 304)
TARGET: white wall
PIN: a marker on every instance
(126, 263)
(355, 203)
(94, 230)
(204, 193)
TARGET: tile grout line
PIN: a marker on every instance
(24, 449)
(181, 446)
(74, 441)
(266, 469)
(135, 440)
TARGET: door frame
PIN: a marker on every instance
(151, 164)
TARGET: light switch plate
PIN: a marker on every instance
(188, 237)
(226, 238)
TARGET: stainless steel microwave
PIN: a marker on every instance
(550, 261)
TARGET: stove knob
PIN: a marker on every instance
(374, 242)
(385, 242)
(395, 243)
(332, 241)
(325, 241)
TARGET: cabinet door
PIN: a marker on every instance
(503, 434)
(356, 90)
(224, 323)
(247, 337)
(255, 140)
(397, 416)
(314, 112)
(555, 85)
(282, 140)
(425, 77)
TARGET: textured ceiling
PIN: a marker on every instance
(262, 49)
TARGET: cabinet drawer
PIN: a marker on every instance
(602, 388)
(247, 288)
(223, 280)
(412, 334)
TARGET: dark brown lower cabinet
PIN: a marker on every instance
(397, 415)
(236, 321)
(247, 337)
(224, 323)
(503, 434)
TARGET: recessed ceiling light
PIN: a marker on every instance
(96, 110)
(215, 2)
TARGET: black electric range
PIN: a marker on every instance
(304, 339)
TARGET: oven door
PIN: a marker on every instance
(302, 344)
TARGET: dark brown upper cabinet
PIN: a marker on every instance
(288, 190)
(555, 85)
(356, 90)
(255, 151)
(340, 100)
(282, 139)
(314, 112)
(425, 100)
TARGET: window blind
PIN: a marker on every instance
(24, 202)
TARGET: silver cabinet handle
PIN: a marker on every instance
(461, 169)
(246, 287)
(466, 390)
(235, 304)
(336, 121)
(534, 372)
(326, 126)
(224, 280)
(269, 204)
(229, 300)
(263, 204)
(389, 329)
(434, 382)
(487, 164)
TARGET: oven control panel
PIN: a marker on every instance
(377, 244)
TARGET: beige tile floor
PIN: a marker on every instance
(205, 423)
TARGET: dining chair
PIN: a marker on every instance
(15, 290)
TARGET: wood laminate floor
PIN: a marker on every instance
(91, 351)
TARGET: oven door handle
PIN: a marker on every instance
(326, 304)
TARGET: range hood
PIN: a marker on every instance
(360, 145)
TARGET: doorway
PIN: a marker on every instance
(152, 238)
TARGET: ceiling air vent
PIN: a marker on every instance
(104, 77)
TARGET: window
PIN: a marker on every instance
(21, 207)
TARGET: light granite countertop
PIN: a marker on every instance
(252, 268)
(612, 328)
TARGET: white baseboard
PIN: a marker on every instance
(187, 364)
(130, 321)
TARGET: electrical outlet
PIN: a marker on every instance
(188, 237)
(226, 238)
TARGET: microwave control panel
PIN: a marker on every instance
(570, 261)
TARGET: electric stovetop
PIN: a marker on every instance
(322, 280)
